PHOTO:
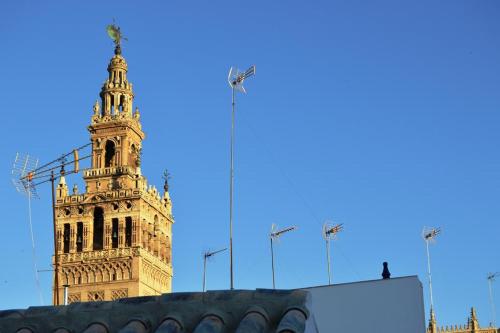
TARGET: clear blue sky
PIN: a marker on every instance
(382, 115)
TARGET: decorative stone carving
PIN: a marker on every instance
(95, 296)
(97, 108)
(74, 297)
(119, 293)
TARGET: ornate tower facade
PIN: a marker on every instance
(114, 240)
(472, 326)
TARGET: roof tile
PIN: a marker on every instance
(240, 311)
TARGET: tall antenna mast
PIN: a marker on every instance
(491, 278)
(22, 181)
(206, 256)
(32, 175)
(274, 236)
(330, 233)
(235, 79)
(429, 236)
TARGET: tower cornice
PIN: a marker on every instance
(116, 125)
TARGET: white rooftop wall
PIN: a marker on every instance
(388, 306)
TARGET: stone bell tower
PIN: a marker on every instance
(114, 240)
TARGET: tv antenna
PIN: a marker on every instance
(274, 236)
(208, 255)
(429, 235)
(491, 278)
(235, 80)
(22, 182)
(330, 232)
(27, 175)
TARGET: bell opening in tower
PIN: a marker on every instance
(114, 233)
(122, 104)
(79, 237)
(66, 237)
(98, 228)
(110, 154)
(128, 231)
(133, 155)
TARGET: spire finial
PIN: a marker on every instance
(97, 108)
(432, 328)
(166, 177)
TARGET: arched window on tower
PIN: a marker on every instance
(109, 156)
(132, 156)
(112, 104)
(128, 231)
(98, 228)
(122, 103)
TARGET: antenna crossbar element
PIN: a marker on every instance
(431, 234)
(22, 176)
(59, 160)
(278, 233)
(209, 254)
(236, 78)
(331, 232)
(249, 72)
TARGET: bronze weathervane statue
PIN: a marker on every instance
(115, 34)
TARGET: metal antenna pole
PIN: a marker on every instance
(235, 80)
(231, 184)
(22, 179)
(429, 235)
(33, 249)
(30, 175)
(204, 271)
(491, 278)
(330, 232)
(429, 273)
(272, 261)
(207, 255)
(56, 268)
(328, 260)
